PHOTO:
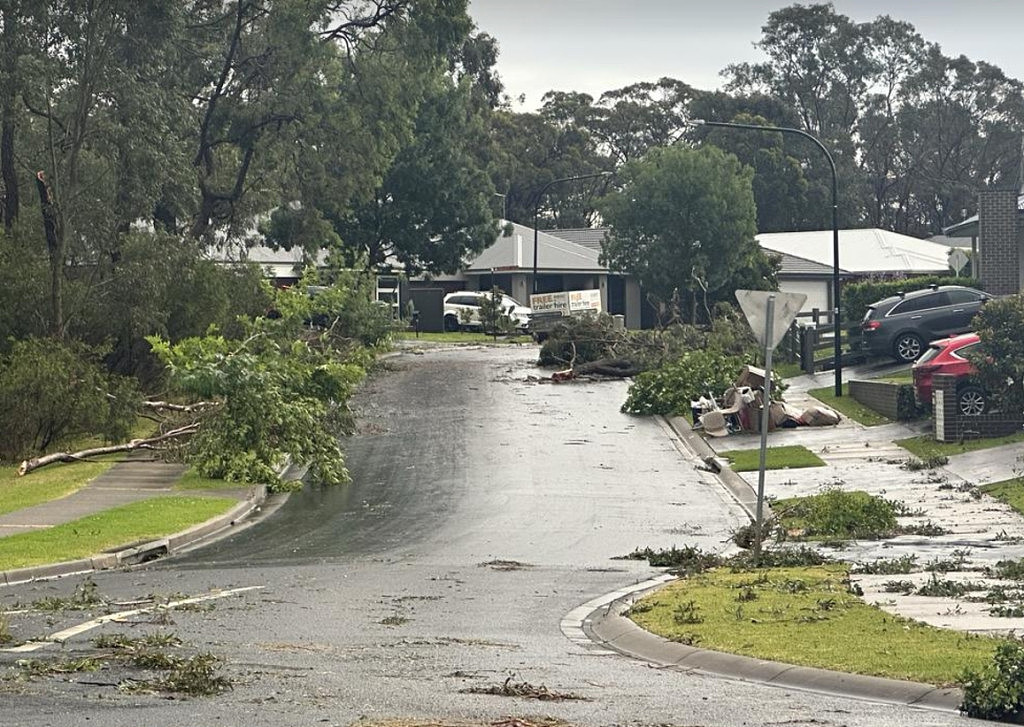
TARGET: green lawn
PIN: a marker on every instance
(776, 458)
(1009, 491)
(462, 337)
(139, 521)
(807, 616)
(45, 484)
(925, 446)
(848, 406)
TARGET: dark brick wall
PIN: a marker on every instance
(951, 427)
(881, 396)
(999, 241)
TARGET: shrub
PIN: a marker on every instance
(52, 392)
(837, 513)
(997, 692)
(670, 389)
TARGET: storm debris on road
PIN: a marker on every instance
(525, 689)
(505, 565)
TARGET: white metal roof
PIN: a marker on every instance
(861, 252)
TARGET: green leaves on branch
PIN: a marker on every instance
(670, 389)
(281, 393)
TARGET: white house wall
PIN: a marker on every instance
(815, 290)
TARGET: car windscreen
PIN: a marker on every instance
(928, 355)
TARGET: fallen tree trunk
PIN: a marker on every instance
(33, 464)
(611, 367)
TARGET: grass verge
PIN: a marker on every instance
(848, 406)
(807, 616)
(192, 481)
(45, 484)
(925, 446)
(776, 458)
(139, 521)
(1009, 491)
(461, 337)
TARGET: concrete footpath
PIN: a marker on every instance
(139, 477)
(975, 531)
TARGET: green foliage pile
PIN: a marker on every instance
(280, 392)
(52, 393)
(997, 691)
(582, 339)
(670, 389)
(858, 296)
(836, 513)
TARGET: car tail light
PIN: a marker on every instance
(870, 325)
(919, 371)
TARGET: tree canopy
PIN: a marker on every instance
(683, 223)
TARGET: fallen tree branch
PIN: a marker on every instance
(33, 464)
(166, 405)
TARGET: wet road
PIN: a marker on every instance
(484, 507)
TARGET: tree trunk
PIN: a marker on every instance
(33, 464)
(8, 174)
(55, 248)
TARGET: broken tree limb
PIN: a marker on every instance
(168, 406)
(610, 367)
(33, 464)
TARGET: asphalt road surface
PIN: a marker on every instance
(485, 505)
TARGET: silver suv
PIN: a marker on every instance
(902, 325)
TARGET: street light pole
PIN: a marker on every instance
(536, 211)
(838, 354)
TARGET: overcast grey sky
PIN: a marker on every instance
(599, 45)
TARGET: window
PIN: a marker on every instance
(923, 302)
(957, 297)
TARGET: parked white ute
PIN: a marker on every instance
(469, 300)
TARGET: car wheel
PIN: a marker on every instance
(451, 324)
(971, 401)
(908, 347)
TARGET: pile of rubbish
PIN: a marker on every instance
(740, 406)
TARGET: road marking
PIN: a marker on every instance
(62, 636)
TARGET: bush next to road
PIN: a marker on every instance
(997, 691)
(52, 392)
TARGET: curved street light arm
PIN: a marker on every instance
(837, 349)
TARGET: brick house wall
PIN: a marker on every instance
(1000, 238)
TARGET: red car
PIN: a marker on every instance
(949, 356)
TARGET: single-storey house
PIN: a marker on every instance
(562, 264)
(808, 264)
(997, 239)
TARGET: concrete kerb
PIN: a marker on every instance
(600, 627)
(601, 623)
(144, 552)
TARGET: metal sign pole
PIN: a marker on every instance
(765, 419)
